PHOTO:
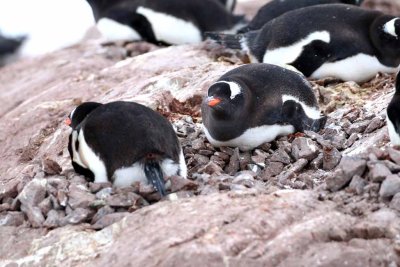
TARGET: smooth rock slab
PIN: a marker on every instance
(390, 186)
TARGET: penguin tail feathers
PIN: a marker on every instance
(155, 176)
(233, 41)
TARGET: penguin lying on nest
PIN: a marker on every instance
(341, 41)
(393, 115)
(161, 21)
(256, 103)
(275, 8)
(124, 142)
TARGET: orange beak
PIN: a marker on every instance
(68, 121)
(214, 101)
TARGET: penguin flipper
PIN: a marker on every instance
(232, 41)
(155, 176)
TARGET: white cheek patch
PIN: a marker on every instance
(229, 5)
(390, 27)
(358, 68)
(91, 160)
(71, 115)
(253, 137)
(170, 29)
(182, 165)
(234, 88)
(115, 31)
(285, 55)
(311, 112)
(75, 154)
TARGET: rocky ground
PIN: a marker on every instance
(310, 199)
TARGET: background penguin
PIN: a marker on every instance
(393, 115)
(8, 47)
(336, 40)
(255, 103)
(276, 8)
(229, 4)
(161, 21)
(124, 142)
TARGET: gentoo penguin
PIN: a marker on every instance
(229, 4)
(8, 47)
(393, 115)
(161, 21)
(255, 103)
(337, 40)
(123, 142)
(276, 8)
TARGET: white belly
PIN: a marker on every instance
(114, 31)
(170, 29)
(253, 137)
(358, 68)
(394, 136)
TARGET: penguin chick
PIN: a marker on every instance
(336, 40)
(124, 142)
(393, 115)
(275, 8)
(255, 103)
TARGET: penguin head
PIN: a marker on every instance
(385, 35)
(80, 113)
(352, 2)
(225, 98)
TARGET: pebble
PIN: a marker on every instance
(9, 189)
(273, 169)
(394, 155)
(109, 219)
(54, 219)
(33, 193)
(79, 197)
(395, 203)
(378, 172)
(390, 186)
(77, 216)
(331, 158)
(179, 183)
(375, 124)
(12, 218)
(104, 193)
(280, 155)
(50, 167)
(357, 185)
(233, 165)
(304, 148)
(124, 200)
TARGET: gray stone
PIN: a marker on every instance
(198, 144)
(109, 219)
(50, 167)
(124, 199)
(12, 218)
(351, 140)
(273, 169)
(9, 189)
(394, 155)
(101, 213)
(299, 165)
(34, 215)
(200, 159)
(79, 197)
(104, 193)
(395, 203)
(375, 124)
(33, 193)
(357, 127)
(304, 148)
(96, 187)
(233, 165)
(54, 219)
(210, 168)
(77, 216)
(46, 205)
(179, 183)
(280, 155)
(244, 160)
(390, 186)
(223, 156)
(357, 185)
(317, 162)
(378, 172)
(335, 134)
(337, 180)
(331, 158)
(352, 166)
(227, 150)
